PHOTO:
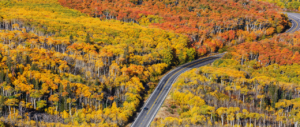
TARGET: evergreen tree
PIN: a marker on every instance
(21, 70)
(68, 89)
(60, 89)
(97, 83)
(61, 104)
(1, 76)
(71, 39)
(36, 84)
(7, 79)
(28, 60)
(8, 63)
(2, 100)
(88, 39)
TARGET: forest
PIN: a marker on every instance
(210, 25)
(94, 62)
(291, 5)
(255, 84)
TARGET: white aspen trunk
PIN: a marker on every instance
(34, 103)
(222, 119)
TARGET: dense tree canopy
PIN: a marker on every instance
(62, 67)
(255, 84)
(209, 24)
(78, 69)
(292, 5)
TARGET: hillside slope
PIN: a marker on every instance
(61, 67)
(255, 84)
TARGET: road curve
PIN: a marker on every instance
(157, 98)
(295, 19)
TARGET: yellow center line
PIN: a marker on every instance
(296, 25)
(168, 82)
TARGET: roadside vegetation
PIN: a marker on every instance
(290, 5)
(91, 63)
(255, 84)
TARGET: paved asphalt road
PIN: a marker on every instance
(295, 19)
(157, 98)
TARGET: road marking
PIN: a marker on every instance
(291, 27)
(170, 78)
(293, 30)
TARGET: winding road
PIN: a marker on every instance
(157, 98)
(160, 93)
(295, 19)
